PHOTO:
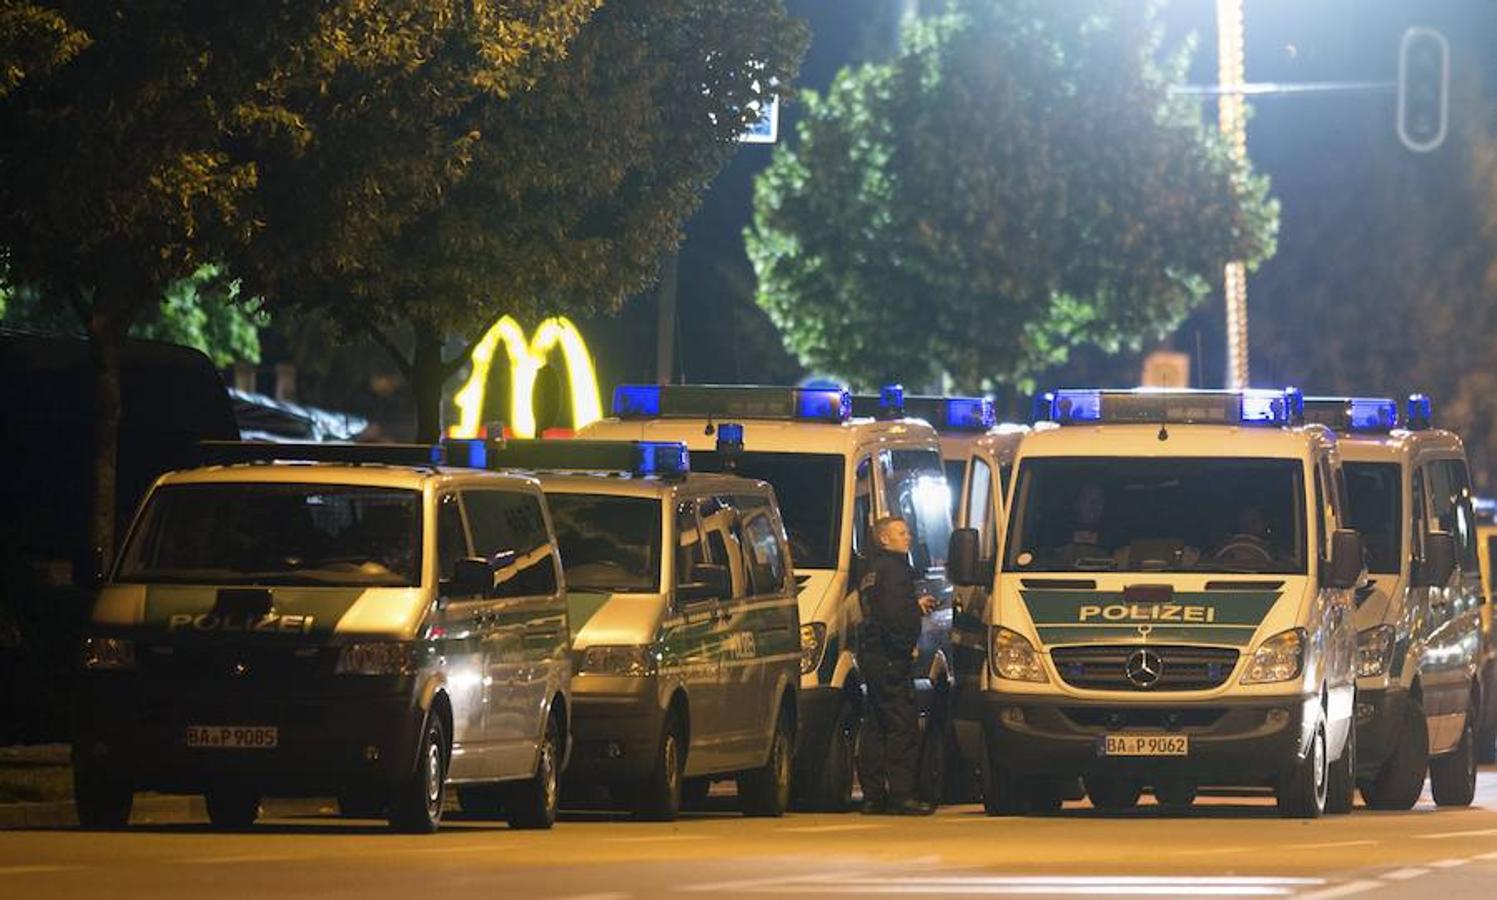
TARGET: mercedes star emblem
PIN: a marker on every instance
(1144, 668)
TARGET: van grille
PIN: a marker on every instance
(1105, 668)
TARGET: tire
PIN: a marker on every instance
(1486, 742)
(765, 792)
(531, 804)
(1113, 794)
(232, 807)
(658, 797)
(932, 762)
(1400, 781)
(416, 803)
(1003, 792)
(102, 800)
(1176, 796)
(1341, 791)
(361, 804)
(1452, 777)
(1301, 792)
(826, 786)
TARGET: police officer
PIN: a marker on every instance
(888, 753)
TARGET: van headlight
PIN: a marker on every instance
(1280, 658)
(812, 645)
(1374, 650)
(635, 660)
(108, 653)
(1014, 658)
(379, 658)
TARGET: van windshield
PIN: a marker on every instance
(608, 543)
(808, 487)
(1158, 515)
(277, 534)
(1374, 497)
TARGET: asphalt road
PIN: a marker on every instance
(1227, 846)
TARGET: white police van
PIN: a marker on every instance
(834, 476)
(370, 630)
(1171, 606)
(1419, 691)
(684, 621)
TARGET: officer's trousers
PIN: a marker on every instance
(889, 748)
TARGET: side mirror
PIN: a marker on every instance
(1439, 560)
(471, 577)
(708, 582)
(962, 564)
(1344, 568)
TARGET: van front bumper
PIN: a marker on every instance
(1232, 742)
(617, 723)
(351, 732)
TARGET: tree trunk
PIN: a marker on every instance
(428, 375)
(107, 331)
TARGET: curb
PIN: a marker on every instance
(150, 809)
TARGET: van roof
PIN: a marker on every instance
(1142, 440)
(615, 484)
(372, 474)
(1399, 445)
(772, 436)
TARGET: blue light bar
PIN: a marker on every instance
(704, 401)
(729, 436)
(1044, 407)
(1367, 415)
(1145, 405)
(467, 453)
(1419, 416)
(891, 401)
(969, 414)
(663, 458)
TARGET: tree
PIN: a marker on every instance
(202, 311)
(1016, 182)
(115, 176)
(557, 192)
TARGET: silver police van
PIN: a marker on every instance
(367, 630)
(684, 623)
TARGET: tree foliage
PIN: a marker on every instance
(429, 207)
(1017, 181)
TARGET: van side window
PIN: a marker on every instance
(1320, 533)
(690, 551)
(452, 543)
(1443, 499)
(1464, 515)
(1417, 513)
(724, 540)
(512, 521)
(980, 507)
(862, 509)
(956, 474)
(761, 541)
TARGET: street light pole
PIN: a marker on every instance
(1232, 116)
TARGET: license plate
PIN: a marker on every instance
(1143, 745)
(234, 737)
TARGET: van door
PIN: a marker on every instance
(978, 510)
(460, 643)
(526, 641)
(695, 643)
(768, 622)
(1450, 644)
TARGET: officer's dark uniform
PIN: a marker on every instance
(888, 754)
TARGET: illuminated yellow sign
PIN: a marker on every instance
(526, 359)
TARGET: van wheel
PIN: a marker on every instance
(1341, 792)
(1302, 792)
(416, 803)
(765, 791)
(827, 785)
(1486, 742)
(532, 803)
(1399, 782)
(933, 761)
(1003, 792)
(1176, 796)
(1113, 794)
(358, 803)
(1452, 777)
(232, 807)
(103, 800)
(658, 797)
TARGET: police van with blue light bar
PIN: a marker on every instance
(1424, 678)
(684, 623)
(834, 475)
(1171, 606)
(369, 625)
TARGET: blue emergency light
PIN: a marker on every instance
(1366, 415)
(467, 453)
(891, 401)
(1183, 407)
(667, 459)
(729, 437)
(701, 401)
(1418, 415)
(944, 413)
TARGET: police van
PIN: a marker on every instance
(1171, 606)
(684, 622)
(834, 476)
(370, 630)
(1420, 697)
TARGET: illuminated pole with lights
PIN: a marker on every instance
(1232, 113)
